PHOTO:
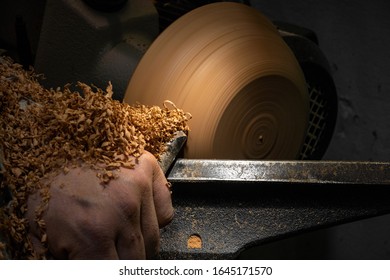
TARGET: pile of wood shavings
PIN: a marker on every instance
(45, 130)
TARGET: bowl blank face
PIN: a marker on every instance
(226, 64)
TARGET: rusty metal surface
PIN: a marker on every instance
(304, 172)
(233, 205)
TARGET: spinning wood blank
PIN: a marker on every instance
(227, 65)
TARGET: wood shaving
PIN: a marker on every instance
(3, 253)
(50, 130)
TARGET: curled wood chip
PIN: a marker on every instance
(51, 130)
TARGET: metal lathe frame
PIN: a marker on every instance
(233, 205)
